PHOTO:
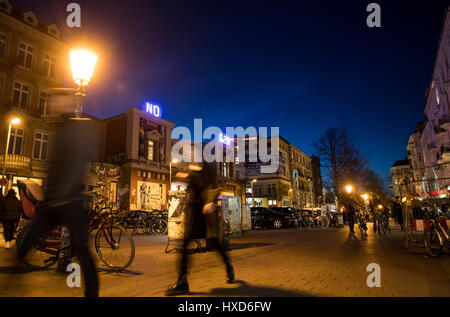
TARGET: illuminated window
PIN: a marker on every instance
(436, 91)
(21, 95)
(49, 65)
(150, 150)
(25, 55)
(40, 146)
(16, 141)
(224, 169)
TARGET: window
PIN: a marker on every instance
(150, 150)
(224, 169)
(25, 55)
(272, 189)
(21, 95)
(42, 107)
(40, 146)
(49, 65)
(16, 141)
(272, 202)
(237, 174)
(3, 45)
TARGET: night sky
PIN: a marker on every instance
(298, 65)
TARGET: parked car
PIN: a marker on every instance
(289, 215)
(263, 217)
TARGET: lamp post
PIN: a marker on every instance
(253, 200)
(12, 122)
(174, 161)
(290, 196)
(83, 63)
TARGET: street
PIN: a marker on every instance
(267, 263)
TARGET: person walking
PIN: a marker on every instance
(10, 212)
(351, 213)
(202, 219)
(64, 202)
(397, 211)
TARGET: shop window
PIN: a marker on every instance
(40, 146)
(16, 141)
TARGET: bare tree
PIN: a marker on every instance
(343, 162)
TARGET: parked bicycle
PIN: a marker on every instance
(113, 244)
(436, 238)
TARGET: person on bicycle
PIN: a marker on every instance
(64, 202)
(202, 219)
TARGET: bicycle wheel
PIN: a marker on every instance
(115, 246)
(432, 241)
(42, 255)
(159, 227)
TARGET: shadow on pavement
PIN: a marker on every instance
(17, 269)
(239, 246)
(248, 290)
(125, 272)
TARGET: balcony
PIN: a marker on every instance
(15, 162)
(444, 121)
(444, 156)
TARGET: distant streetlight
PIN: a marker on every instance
(380, 206)
(83, 63)
(14, 121)
(365, 197)
(349, 188)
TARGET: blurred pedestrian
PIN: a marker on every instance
(10, 212)
(351, 211)
(64, 202)
(397, 211)
(202, 219)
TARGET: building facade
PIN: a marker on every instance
(290, 185)
(429, 145)
(140, 143)
(33, 58)
(400, 174)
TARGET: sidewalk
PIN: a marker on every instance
(267, 263)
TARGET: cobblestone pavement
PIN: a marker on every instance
(267, 263)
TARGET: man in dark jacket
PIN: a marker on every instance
(10, 212)
(202, 219)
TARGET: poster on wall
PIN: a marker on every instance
(149, 195)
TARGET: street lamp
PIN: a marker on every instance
(83, 63)
(290, 196)
(349, 188)
(14, 121)
(253, 200)
(174, 161)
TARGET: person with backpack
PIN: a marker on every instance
(10, 212)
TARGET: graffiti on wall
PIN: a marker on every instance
(149, 195)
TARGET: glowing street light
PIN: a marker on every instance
(83, 64)
(14, 121)
(349, 188)
(365, 197)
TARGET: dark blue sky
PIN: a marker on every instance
(298, 65)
